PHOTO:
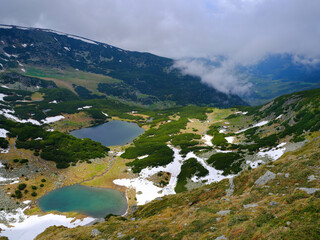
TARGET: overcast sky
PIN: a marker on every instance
(244, 31)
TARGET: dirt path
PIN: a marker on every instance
(101, 174)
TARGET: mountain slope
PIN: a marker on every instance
(139, 77)
(278, 200)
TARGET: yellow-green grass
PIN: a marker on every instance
(37, 96)
(66, 77)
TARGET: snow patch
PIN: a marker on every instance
(5, 27)
(254, 164)
(230, 139)
(23, 70)
(82, 39)
(54, 102)
(52, 119)
(256, 125)
(214, 174)
(144, 156)
(274, 153)
(105, 114)
(3, 133)
(147, 191)
(222, 130)
(2, 96)
(28, 227)
(208, 140)
(8, 114)
(66, 48)
(120, 153)
(85, 107)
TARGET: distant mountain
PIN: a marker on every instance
(280, 74)
(91, 68)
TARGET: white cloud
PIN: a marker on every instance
(222, 77)
(244, 31)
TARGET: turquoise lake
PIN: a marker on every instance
(90, 201)
(111, 133)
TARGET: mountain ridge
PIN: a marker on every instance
(140, 77)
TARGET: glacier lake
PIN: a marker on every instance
(90, 201)
(111, 133)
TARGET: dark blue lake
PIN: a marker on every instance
(111, 133)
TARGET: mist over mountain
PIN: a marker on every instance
(143, 78)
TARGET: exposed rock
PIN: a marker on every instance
(265, 178)
(252, 205)
(311, 178)
(309, 190)
(231, 188)
(273, 203)
(95, 232)
(222, 238)
(223, 212)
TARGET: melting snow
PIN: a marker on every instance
(207, 140)
(147, 191)
(214, 174)
(230, 139)
(82, 39)
(28, 227)
(2, 96)
(222, 130)
(254, 164)
(256, 125)
(3, 133)
(274, 153)
(7, 114)
(144, 156)
(85, 107)
(5, 27)
(52, 119)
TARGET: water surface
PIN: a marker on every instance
(111, 133)
(90, 201)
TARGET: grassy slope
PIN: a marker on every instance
(193, 215)
(65, 78)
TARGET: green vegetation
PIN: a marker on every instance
(190, 168)
(22, 186)
(4, 143)
(55, 146)
(154, 141)
(229, 163)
